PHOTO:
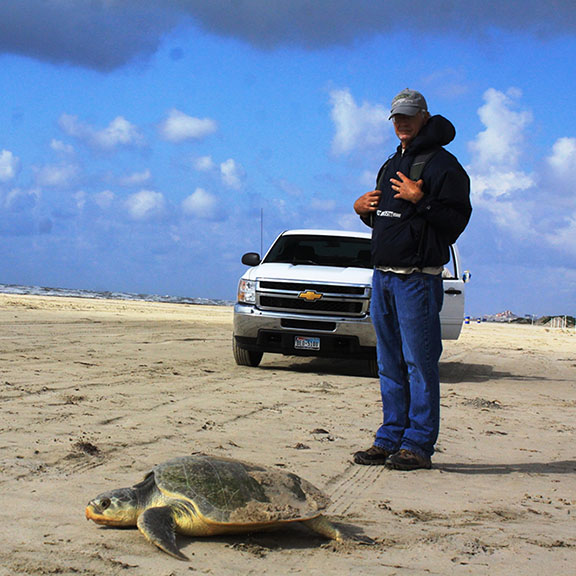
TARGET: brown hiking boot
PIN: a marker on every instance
(408, 460)
(374, 456)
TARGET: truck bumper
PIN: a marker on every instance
(264, 331)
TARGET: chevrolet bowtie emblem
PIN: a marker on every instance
(310, 296)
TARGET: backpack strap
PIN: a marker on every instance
(418, 165)
(415, 170)
(381, 172)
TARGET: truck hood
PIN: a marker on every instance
(304, 273)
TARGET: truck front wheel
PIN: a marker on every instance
(245, 357)
(373, 368)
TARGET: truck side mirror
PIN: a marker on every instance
(251, 259)
(466, 276)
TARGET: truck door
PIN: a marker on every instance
(452, 314)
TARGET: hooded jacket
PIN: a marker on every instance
(419, 235)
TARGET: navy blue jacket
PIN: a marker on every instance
(407, 234)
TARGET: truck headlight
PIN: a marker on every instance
(247, 291)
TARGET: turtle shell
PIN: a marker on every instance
(228, 491)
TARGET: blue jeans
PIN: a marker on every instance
(405, 311)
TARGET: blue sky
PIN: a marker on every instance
(141, 141)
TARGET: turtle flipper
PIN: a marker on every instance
(158, 525)
(321, 525)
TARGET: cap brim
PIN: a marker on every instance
(406, 110)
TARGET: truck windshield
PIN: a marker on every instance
(321, 251)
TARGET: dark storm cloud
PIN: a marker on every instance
(99, 34)
(318, 23)
(107, 34)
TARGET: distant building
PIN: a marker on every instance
(506, 316)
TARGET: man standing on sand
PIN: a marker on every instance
(414, 223)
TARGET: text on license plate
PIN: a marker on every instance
(306, 343)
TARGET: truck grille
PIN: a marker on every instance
(324, 288)
(270, 302)
(342, 300)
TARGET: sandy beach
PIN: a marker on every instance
(94, 393)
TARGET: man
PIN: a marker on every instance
(414, 223)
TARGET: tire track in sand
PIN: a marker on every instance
(354, 484)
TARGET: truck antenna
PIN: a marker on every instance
(261, 232)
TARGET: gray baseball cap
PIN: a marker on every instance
(408, 102)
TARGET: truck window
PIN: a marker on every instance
(321, 251)
(450, 272)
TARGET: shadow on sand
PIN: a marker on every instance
(560, 467)
(450, 372)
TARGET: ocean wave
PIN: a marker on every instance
(77, 293)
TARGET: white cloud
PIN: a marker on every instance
(289, 188)
(146, 205)
(564, 238)
(57, 175)
(563, 157)
(496, 180)
(120, 132)
(233, 174)
(73, 127)
(104, 199)
(179, 127)
(201, 204)
(136, 178)
(560, 197)
(21, 200)
(357, 127)
(495, 183)
(537, 207)
(9, 166)
(204, 164)
(501, 142)
(61, 147)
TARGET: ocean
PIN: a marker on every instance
(76, 293)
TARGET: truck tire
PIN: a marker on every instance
(373, 368)
(245, 357)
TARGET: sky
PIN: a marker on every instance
(145, 146)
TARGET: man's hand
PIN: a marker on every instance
(367, 203)
(407, 189)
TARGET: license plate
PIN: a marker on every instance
(306, 343)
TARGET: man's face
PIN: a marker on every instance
(407, 127)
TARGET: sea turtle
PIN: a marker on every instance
(202, 495)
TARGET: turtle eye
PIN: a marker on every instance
(105, 503)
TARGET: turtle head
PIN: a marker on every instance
(115, 508)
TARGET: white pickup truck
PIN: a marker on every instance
(310, 296)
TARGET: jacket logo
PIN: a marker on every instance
(388, 214)
(310, 296)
